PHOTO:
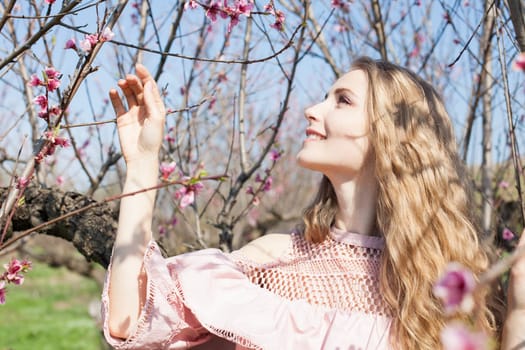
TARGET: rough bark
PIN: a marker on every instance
(92, 232)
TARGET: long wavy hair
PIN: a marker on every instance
(423, 207)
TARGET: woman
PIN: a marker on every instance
(391, 212)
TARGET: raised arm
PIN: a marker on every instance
(514, 327)
(140, 127)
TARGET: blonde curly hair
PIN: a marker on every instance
(423, 207)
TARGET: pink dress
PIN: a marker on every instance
(316, 296)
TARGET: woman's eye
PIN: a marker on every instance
(343, 100)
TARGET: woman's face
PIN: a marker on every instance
(337, 134)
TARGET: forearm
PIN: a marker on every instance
(128, 281)
(513, 337)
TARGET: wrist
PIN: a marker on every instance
(143, 171)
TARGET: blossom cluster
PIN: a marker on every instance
(233, 12)
(50, 81)
(90, 40)
(186, 193)
(54, 141)
(14, 273)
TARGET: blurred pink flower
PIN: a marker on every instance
(35, 81)
(2, 292)
(503, 184)
(50, 2)
(107, 34)
(167, 169)
(187, 194)
(507, 234)
(213, 10)
(22, 182)
(13, 272)
(41, 101)
(457, 336)
(455, 288)
(519, 63)
(59, 180)
(341, 4)
(268, 184)
(279, 21)
(192, 4)
(52, 73)
(71, 44)
(53, 84)
(275, 155)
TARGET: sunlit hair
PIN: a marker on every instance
(423, 207)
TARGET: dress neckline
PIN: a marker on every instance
(357, 239)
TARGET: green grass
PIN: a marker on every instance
(49, 312)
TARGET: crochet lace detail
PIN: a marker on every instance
(340, 274)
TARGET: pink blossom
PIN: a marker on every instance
(3, 292)
(249, 190)
(258, 178)
(41, 101)
(234, 20)
(340, 4)
(14, 272)
(85, 45)
(52, 73)
(187, 199)
(457, 336)
(213, 10)
(503, 184)
(455, 288)
(244, 7)
(192, 4)
(519, 63)
(279, 21)
(50, 2)
(59, 180)
(61, 141)
(167, 169)
(71, 44)
(507, 234)
(269, 8)
(55, 110)
(22, 182)
(187, 194)
(275, 155)
(35, 81)
(267, 184)
(53, 84)
(107, 34)
(256, 201)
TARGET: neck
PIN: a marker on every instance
(356, 201)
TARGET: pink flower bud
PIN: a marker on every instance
(35, 81)
(167, 169)
(41, 101)
(507, 234)
(455, 288)
(107, 34)
(71, 44)
(457, 336)
(519, 63)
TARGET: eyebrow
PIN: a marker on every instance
(345, 90)
(342, 90)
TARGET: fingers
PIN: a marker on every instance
(118, 107)
(152, 101)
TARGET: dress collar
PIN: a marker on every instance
(357, 239)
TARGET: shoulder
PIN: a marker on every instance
(268, 248)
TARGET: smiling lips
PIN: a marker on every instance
(314, 135)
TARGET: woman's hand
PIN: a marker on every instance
(141, 125)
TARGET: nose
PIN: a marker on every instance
(312, 114)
